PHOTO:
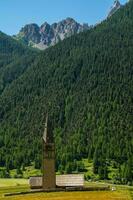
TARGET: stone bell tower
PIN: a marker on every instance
(49, 175)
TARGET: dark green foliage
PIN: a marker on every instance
(80, 167)
(103, 170)
(14, 60)
(38, 162)
(127, 172)
(86, 85)
(4, 173)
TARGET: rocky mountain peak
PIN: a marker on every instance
(117, 5)
(45, 27)
(30, 28)
(48, 35)
(69, 20)
(31, 31)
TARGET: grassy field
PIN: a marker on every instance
(12, 182)
(18, 185)
(73, 196)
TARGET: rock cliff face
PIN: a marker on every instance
(117, 5)
(48, 35)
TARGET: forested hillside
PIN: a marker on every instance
(14, 60)
(86, 85)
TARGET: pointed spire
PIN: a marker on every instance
(45, 130)
(47, 135)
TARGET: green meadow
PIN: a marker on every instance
(21, 185)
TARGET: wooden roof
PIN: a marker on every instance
(69, 180)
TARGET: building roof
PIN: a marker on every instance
(68, 180)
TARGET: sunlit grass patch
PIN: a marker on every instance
(21, 185)
(74, 196)
(12, 182)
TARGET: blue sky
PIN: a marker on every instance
(16, 13)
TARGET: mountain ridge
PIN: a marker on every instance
(86, 84)
(114, 8)
(48, 35)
